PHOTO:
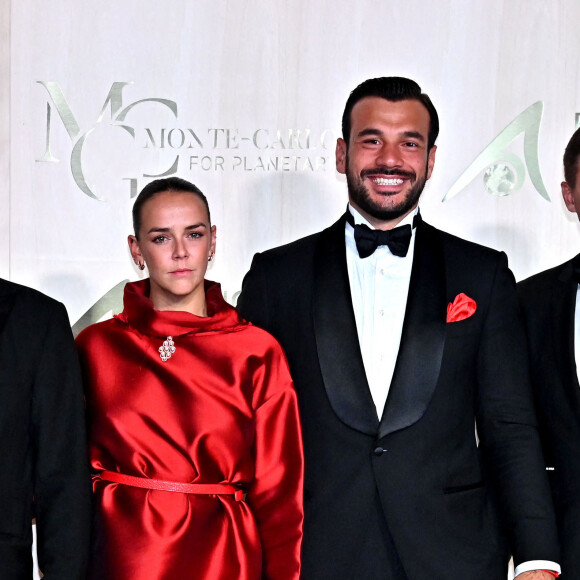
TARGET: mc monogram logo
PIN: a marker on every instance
(505, 171)
(118, 118)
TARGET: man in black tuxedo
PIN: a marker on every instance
(44, 467)
(397, 355)
(552, 318)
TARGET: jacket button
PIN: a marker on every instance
(379, 451)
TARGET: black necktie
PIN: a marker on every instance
(367, 240)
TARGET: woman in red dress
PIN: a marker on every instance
(194, 432)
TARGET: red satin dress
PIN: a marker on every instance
(220, 410)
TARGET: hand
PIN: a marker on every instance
(534, 575)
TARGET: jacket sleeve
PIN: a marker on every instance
(276, 492)
(61, 475)
(508, 429)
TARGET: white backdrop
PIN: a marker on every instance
(246, 98)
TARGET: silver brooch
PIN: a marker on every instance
(167, 349)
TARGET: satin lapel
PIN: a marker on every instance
(563, 304)
(7, 296)
(336, 335)
(419, 360)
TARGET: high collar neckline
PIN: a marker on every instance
(139, 313)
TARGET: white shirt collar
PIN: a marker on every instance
(359, 219)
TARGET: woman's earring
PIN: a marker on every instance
(210, 257)
(140, 265)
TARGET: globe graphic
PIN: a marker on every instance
(499, 179)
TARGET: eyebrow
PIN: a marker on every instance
(377, 132)
(166, 230)
(414, 135)
(369, 131)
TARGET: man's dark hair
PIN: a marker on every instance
(175, 184)
(391, 89)
(571, 157)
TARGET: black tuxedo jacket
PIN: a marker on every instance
(43, 463)
(548, 302)
(410, 494)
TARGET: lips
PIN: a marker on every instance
(181, 272)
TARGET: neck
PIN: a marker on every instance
(380, 224)
(194, 303)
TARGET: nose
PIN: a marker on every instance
(179, 249)
(389, 155)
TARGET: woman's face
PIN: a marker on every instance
(175, 242)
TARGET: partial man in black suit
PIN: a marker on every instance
(397, 354)
(44, 467)
(550, 302)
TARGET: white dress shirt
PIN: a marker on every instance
(379, 286)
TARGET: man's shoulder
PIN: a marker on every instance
(538, 284)
(466, 251)
(545, 276)
(297, 247)
(26, 296)
(299, 250)
(284, 273)
(30, 314)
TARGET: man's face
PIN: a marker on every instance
(386, 161)
(571, 194)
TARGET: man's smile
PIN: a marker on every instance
(387, 181)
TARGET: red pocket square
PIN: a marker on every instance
(463, 307)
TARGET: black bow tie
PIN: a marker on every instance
(367, 240)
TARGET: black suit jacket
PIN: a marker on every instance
(414, 481)
(44, 469)
(548, 302)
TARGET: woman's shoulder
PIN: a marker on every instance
(99, 331)
(268, 365)
(259, 343)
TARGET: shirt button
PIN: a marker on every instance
(379, 451)
(382, 271)
(381, 312)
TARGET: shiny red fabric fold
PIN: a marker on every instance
(221, 410)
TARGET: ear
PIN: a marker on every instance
(568, 196)
(341, 148)
(213, 240)
(135, 250)
(431, 160)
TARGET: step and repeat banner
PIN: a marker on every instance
(244, 99)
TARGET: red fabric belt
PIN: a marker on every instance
(175, 486)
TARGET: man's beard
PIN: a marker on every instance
(360, 195)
